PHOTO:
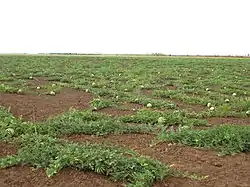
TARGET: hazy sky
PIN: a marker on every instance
(125, 26)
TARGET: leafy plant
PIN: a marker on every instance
(100, 103)
(72, 122)
(171, 118)
(119, 164)
(228, 139)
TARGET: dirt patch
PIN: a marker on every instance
(228, 120)
(27, 177)
(142, 140)
(193, 94)
(216, 87)
(172, 87)
(7, 149)
(116, 112)
(147, 92)
(136, 107)
(5, 81)
(43, 83)
(178, 182)
(189, 107)
(37, 81)
(202, 127)
(132, 106)
(220, 171)
(125, 109)
(34, 107)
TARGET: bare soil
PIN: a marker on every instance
(29, 177)
(37, 81)
(147, 92)
(116, 112)
(125, 109)
(33, 107)
(220, 171)
(172, 87)
(23, 176)
(228, 171)
(7, 149)
(189, 107)
(132, 106)
(228, 120)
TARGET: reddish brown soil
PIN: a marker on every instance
(194, 94)
(229, 120)
(7, 149)
(229, 171)
(221, 171)
(178, 182)
(22, 176)
(172, 87)
(126, 109)
(26, 177)
(116, 112)
(37, 81)
(132, 106)
(34, 107)
(189, 107)
(147, 92)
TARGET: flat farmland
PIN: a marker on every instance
(124, 121)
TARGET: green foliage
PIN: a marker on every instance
(9, 161)
(115, 80)
(12, 127)
(171, 118)
(228, 139)
(71, 122)
(87, 122)
(100, 103)
(8, 88)
(119, 164)
(124, 75)
(157, 103)
(166, 94)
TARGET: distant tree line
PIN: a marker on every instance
(73, 54)
(152, 54)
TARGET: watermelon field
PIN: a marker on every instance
(114, 121)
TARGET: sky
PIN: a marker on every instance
(193, 27)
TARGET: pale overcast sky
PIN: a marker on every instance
(125, 26)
